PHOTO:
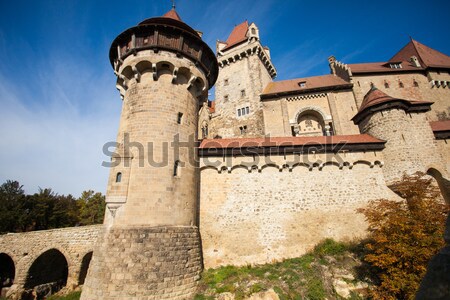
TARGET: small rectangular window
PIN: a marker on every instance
(247, 110)
(239, 112)
(225, 98)
(180, 117)
(242, 93)
(225, 82)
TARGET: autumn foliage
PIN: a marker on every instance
(404, 236)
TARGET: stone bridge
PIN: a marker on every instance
(47, 260)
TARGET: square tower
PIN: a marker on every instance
(245, 70)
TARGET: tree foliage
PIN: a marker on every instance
(404, 235)
(46, 210)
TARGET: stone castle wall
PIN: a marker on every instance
(281, 206)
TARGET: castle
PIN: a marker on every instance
(264, 172)
(281, 165)
(286, 163)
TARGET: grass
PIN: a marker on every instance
(297, 278)
(71, 296)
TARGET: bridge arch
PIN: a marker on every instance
(51, 267)
(84, 267)
(443, 183)
(7, 271)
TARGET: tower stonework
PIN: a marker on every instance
(151, 245)
(245, 70)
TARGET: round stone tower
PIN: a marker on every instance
(151, 247)
(410, 145)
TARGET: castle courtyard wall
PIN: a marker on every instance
(281, 206)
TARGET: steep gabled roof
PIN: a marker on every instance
(293, 86)
(237, 36)
(427, 56)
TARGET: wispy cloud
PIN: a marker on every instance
(301, 60)
(57, 142)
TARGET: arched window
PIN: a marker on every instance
(416, 84)
(253, 31)
(386, 84)
(400, 84)
(119, 177)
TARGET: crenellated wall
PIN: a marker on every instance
(255, 209)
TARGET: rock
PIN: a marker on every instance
(225, 296)
(342, 288)
(267, 295)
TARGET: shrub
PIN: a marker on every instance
(404, 235)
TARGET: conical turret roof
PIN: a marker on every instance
(376, 100)
(172, 14)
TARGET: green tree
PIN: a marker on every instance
(11, 194)
(404, 235)
(92, 208)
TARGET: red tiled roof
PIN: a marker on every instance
(375, 97)
(288, 141)
(237, 36)
(427, 56)
(311, 83)
(172, 14)
(376, 100)
(440, 125)
(381, 67)
(212, 106)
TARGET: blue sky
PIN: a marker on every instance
(58, 103)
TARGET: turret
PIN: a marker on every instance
(164, 71)
(403, 125)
